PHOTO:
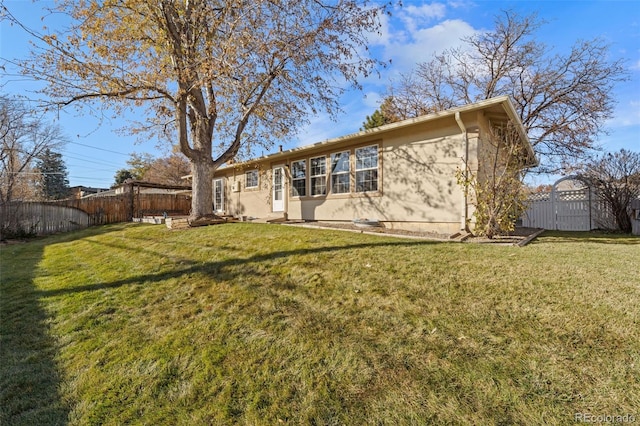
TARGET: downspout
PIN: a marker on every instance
(465, 213)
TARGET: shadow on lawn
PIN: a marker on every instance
(215, 269)
(29, 377)
(598, 237)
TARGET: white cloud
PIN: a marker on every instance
(411, 35)
(629, 115)
(414, 34)
(421, 44)
(380, 37)
(415, 17)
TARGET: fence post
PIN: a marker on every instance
(554, 213)
(131, 202)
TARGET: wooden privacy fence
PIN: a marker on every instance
(67, 215)
(103, 210)
(40, 219)
(125, 207)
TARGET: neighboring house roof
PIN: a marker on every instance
(147, 187)
(498, 105)
(87, 189)
(145, 184)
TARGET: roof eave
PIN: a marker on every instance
(504, 101)
(500, 100)
(531, 160)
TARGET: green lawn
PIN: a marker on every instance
(266, 324)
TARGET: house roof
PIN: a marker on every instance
(495, 106)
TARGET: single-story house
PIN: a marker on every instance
(401, 174)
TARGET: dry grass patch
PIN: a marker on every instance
(260, 324)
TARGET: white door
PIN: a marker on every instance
(218, 195)
(278, 189)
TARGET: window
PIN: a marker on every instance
(340, 173)
(251, 179)
(367, 169)
(318, 175)
(299, 178)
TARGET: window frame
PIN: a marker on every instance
(359, 170)
(246, 179)
(219, 207)
(340, 173)
(313, 177)
(294, 190)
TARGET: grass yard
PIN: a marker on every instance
(265, 324)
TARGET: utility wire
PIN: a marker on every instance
(82, 157)
(89, 168)
(100, 149)
(94, 162)
(34, 173)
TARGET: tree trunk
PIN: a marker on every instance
(623, 219)
(202, 189)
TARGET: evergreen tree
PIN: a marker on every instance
(384, 115)
(374, 120)
(122, 175)
(54, 175)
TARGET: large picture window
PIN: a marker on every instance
(340, 173)
(367, 169)
(299, 178)
(251, 179)
(318, 174)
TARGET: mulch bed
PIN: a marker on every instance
(520, 236)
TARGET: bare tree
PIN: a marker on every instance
(563, 100)
(616, 180)
(24, 136)
(217, 76)
(168, 170)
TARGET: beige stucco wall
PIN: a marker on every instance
(242, 201)
(417, 182)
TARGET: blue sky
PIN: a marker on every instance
(411, 35)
